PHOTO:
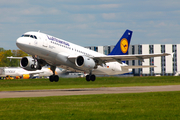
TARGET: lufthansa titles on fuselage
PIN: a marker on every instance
(58, 40)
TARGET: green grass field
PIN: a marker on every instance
(133, 106)
(35, 84)
(140, 106)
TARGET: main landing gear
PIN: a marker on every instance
(90, 77)
(53, 77)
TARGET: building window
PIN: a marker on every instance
(96, 49)
(105, 52)
(133, 49)
(133, 62)
(162, 48)
(127, 62)
(139, 49)
(151, 49)
(109, 49)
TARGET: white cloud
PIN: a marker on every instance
(12, 2)
(77, 27)
(104, 6)
(161, 24)
(40, 11)
(166, 40)
(97, 21)
(90, 8)
(109, 15)
(82, 17)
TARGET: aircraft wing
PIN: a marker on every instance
(120, 58)
(14, 58)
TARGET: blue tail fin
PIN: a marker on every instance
(122, 46)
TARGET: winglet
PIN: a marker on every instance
(122, 46)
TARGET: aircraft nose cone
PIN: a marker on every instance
(19, 42)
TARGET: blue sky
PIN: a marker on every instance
(91, 23)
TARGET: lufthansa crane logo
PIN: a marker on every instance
(124, 45)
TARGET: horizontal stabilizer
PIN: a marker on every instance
(133, 67)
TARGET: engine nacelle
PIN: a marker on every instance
(28, 63)
(85, 62)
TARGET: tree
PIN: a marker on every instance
(3, 56)
(2, 49)
(19, 53)
(5, 62)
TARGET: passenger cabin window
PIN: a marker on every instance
(32, 36)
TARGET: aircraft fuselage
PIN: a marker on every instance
(56, 52)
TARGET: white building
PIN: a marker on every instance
(165, 65)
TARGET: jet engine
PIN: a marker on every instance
(85, 62)
(28, 63)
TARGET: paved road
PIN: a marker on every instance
(87, 91)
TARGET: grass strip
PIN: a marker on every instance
(140, 106)
(65, 83)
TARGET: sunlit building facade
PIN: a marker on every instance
(165, 66)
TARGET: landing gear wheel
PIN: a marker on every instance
(93, 77)
(90, 78)
(53, 78)
(87, 78)
(56, 78)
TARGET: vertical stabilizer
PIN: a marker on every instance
(122, 46)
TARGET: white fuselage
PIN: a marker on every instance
(56, 51)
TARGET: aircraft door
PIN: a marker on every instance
(45, 41)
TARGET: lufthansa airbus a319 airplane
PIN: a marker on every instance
(46, 49)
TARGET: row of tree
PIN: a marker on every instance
(5, 62)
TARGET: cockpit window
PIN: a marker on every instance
(26, 35)
(32, 36)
